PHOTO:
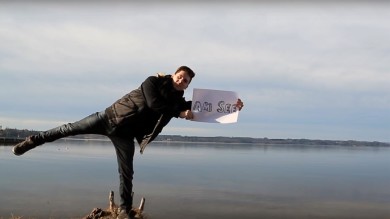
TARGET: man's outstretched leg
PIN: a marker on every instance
(93, 124)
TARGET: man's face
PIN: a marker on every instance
(181, 80)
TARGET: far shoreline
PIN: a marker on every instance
(10, 141)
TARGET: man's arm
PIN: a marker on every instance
(151, 89)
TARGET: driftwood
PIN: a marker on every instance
(113, 210)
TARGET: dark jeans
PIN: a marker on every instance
(97, 123)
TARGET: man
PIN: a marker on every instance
(140, 114)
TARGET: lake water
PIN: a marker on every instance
(67, 179)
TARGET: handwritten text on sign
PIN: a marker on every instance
(214, 106)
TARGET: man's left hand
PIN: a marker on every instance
(239, 104)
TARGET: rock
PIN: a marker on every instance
(112, 211)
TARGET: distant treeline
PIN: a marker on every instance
(18, 135)
(248, 140)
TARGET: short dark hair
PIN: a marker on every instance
(187, 70)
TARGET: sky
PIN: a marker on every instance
(303, 70)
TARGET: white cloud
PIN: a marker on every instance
(296, 63)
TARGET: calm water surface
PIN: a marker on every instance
(67, 179)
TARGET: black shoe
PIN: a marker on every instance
(24, 146)
(133, 214)
(127, 215)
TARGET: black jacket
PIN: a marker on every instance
(145, 111)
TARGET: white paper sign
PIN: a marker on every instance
(214, 106)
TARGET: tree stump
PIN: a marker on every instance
(112, 211)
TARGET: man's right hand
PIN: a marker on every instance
(187, 114)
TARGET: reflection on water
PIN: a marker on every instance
(67, 179)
